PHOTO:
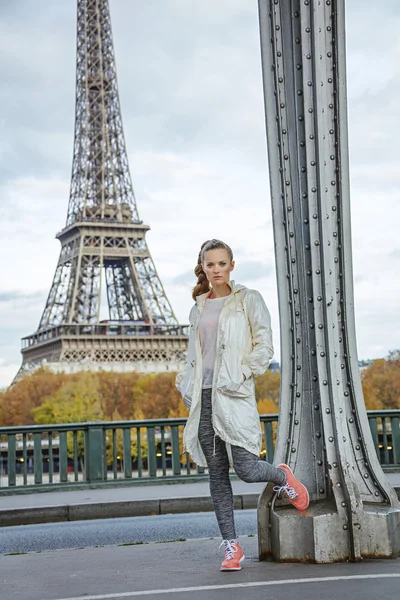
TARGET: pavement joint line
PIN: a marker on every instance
(206, 588)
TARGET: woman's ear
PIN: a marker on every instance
(232, 265)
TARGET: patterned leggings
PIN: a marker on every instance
(247, 466)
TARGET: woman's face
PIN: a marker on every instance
(217, 266)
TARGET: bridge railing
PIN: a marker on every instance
(52, 456)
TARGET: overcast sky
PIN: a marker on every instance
(191, 94)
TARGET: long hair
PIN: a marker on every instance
(203, 285)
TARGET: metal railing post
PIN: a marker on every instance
(94, 453)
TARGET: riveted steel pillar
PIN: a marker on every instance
(323, 429)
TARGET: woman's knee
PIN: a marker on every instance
(244, 471)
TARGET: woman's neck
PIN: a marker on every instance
(220, 291)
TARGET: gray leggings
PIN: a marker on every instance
(247, 466)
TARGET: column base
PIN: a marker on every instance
(318, 535)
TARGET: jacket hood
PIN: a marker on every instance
(235, 287)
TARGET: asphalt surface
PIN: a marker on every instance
(138, 530)
(188, 571)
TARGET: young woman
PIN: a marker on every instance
(230, 343)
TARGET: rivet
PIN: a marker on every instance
(319, 463)
(339, 485)
(325, 382)
(344, 439)
(366, 475)
(331, 439)
(298, 394)
(334, 465)
(298, 367)
(293, 450)
(296, 422)
(318, 435)
(345, 527)
(316, 406)
(311, 136)
(313, 353)
(288, 183)
(315, 378)
(322, 354)
(346, 393)
(305, 221)
(321, 490)
(328, 411)
(320, 326)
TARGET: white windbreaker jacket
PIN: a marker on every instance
(244, 347)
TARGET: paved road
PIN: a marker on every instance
(80, 534)
(187, 571)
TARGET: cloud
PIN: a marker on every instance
(18, 296)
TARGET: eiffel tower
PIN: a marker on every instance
(104, 254)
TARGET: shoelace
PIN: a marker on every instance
(230, 549)
(286, 489)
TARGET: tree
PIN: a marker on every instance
(381, 382)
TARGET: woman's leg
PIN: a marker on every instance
(251, 469)
(218, 468)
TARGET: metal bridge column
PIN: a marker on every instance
(323, 428)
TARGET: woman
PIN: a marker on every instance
(230, 343)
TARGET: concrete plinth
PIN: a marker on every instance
(318, 534)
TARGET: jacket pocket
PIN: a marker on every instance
(230, 379)
(185, 383)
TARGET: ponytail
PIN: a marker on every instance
(203, 285)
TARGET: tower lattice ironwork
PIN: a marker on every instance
(104, 254)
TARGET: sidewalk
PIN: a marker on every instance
(116, 502)
(188, 569)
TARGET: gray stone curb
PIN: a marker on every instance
(114, 510)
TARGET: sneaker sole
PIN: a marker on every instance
(234, 568)
(305, 489)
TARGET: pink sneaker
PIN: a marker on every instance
(293, 489)
(233, 556)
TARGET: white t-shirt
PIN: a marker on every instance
(208, 329)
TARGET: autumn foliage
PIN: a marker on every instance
(47, 397)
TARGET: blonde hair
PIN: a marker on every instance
(203, 285)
